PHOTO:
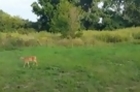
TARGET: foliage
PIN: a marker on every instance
(45, 10)
(67, 20)
(68, 17)
(115, 14)
(132, 12)
(10, 23)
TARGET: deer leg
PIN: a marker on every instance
(28, 64)
(33, 63)
(36, 62)
(24, 64)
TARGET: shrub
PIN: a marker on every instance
(12, 43)
(77, 42)
(136, 35)
(15, 40)
(136, 42)
(31, 42)
(64, 42)
(112, 37)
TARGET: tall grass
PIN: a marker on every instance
(89, 38)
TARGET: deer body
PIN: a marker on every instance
(29, 59)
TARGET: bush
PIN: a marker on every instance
(112, 37)
(136, 35)
(15, 40)
(31, 42)
(12, 43)
(64, 42)
(77, 42)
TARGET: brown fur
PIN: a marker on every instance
(29, 59)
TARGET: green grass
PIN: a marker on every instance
(112, 68)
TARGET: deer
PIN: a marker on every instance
(29, 59)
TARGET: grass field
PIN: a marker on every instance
(112, 68)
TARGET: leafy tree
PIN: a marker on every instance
(44, 9)
(10, 23)
(132, 12)
(91, 14)
(121, 13)
(112, 13)
(67, 20)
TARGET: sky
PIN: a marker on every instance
(20, 8)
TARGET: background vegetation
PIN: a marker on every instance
(15, 40)
(70, 16)
(104, 56)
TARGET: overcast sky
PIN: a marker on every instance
(21, 8)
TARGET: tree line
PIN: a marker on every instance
(68, 16)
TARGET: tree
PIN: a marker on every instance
(132, 12)
(121, 13)
(67, 20)
(52, 14)
(10, 23)
(91, 14)
(112, 15)
(44, 9)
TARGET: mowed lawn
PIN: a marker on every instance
(113, 68)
